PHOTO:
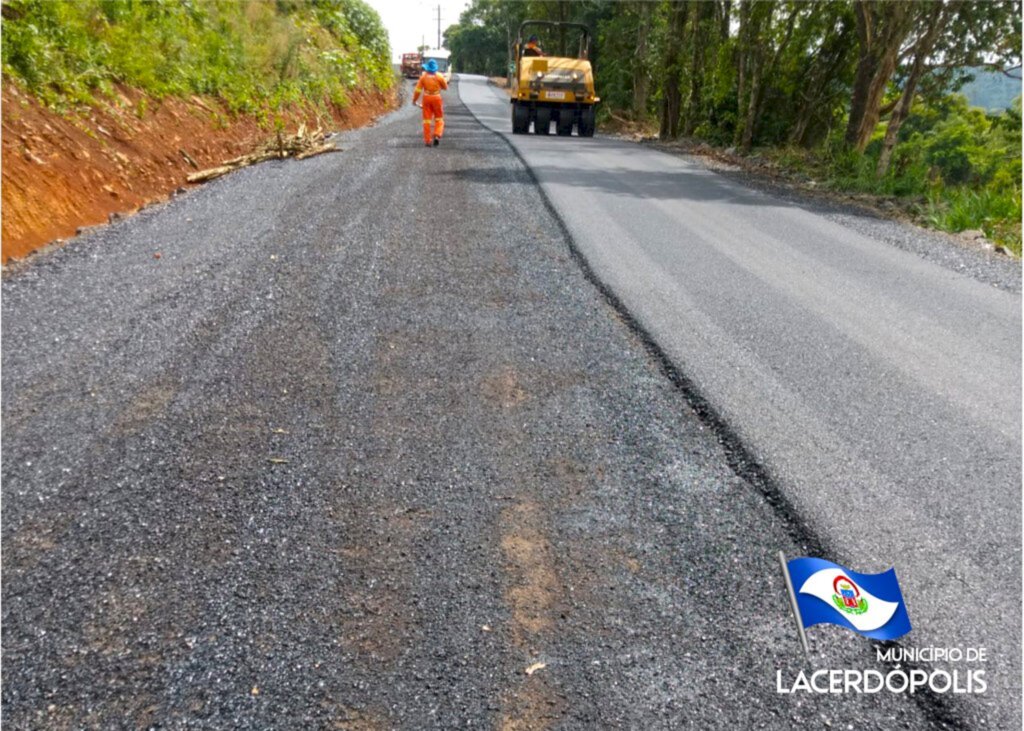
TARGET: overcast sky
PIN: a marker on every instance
(411, 22)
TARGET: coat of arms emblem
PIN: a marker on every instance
(847, 596)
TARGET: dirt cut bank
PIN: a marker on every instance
(62, 172)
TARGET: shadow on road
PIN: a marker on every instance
(693, 185)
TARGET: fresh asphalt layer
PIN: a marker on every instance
(366, 442)
(878, 391)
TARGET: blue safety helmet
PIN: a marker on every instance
(532, 39)
(430, 66)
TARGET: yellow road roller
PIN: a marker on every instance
(553, 90)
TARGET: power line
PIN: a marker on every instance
(438, 26)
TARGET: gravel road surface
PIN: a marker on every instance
(879, 389)
(365, 443)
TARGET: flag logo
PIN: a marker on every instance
(822, 592)
(847, 596)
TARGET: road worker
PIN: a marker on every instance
(430, 85)
(532, 47)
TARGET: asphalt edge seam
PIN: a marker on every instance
(937, 709)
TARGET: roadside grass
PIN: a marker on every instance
(996, 213)
(255, 56)
(994, 209)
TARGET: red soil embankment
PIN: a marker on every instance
(63, 172)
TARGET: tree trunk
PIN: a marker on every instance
(640, 78)
(768, 73)
(803, 120)
(873, 99)
(742, 53)
(672, 96)
(881, 29)
(825, 67)
(696, 67)
(758, 70)
(865, 69)
(509, 55)
(922, 49)
(563, 15)
(755, 101)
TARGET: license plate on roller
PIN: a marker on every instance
(556, 95)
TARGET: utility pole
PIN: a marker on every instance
(438, 27)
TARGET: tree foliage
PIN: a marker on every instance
(482, 39)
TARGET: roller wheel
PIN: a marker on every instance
(587, 122)
(564, 124)
(520, 119)
(542, 124)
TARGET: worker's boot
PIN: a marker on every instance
(437, 141)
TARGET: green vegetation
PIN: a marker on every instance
(255, 55)
(862, 95)
(956, 168)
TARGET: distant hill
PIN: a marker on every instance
(991, 90)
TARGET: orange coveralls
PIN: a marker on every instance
(431, 86)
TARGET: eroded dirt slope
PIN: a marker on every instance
(63, 172)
